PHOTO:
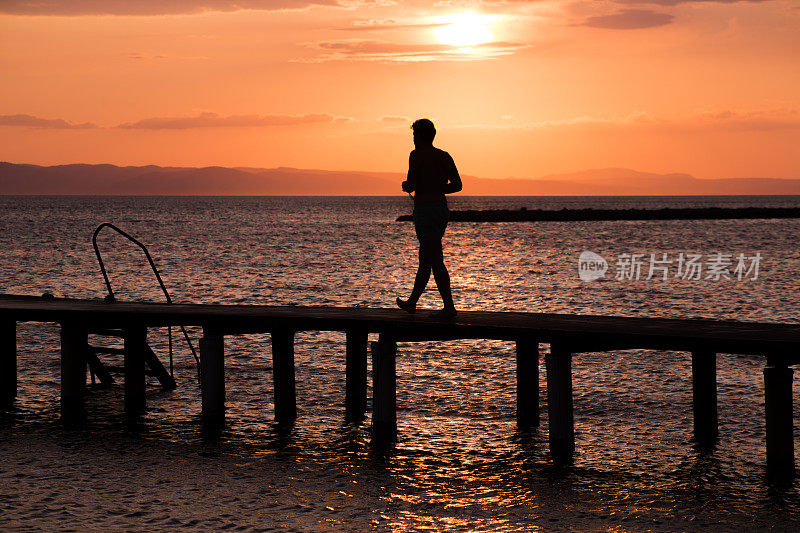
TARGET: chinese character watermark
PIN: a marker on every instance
(714, 266)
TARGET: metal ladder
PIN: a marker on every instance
(155, 367)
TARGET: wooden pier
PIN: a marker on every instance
(566, 334)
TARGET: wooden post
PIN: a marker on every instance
(97, 368)
(8, 362)
(135, 345)
(384, 390)
(356, 375)
(704, 395)
(212, 377)
(779, 421)
(527, 382)
(158, 370)
(559, 404)
(74, 344)
(283, 375)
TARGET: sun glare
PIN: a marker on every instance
(464, 29)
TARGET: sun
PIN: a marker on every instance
(464, 29)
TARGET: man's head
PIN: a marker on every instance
(424, 132)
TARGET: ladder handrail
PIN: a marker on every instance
(111, 298)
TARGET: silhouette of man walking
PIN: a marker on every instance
(431, 175)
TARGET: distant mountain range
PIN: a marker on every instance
(154, 180)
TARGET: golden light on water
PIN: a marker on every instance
(464, 29)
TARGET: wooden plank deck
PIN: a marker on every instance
(579, 332)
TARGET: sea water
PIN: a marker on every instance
(460, 463)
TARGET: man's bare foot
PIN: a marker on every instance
(406, 306)
(445, 313)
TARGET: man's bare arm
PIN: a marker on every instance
(453, 180)
(410, 184)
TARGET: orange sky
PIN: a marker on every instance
(522, 88)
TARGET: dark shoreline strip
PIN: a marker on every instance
(536, 215)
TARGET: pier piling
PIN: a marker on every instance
(527, 382)
(356, 375)
(779, 421)
(74, 344)
(778, 343)
(283, 375)
(704, 396)
(384, 390)
(560, 415)
(8, 362)
(212, 378)
(135, 345)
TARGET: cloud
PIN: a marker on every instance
(176, 7)
(629, 19)
(394, 118)
(149, 7)
(144, 56)
(365, 50)
(388, 24)
(138, 55)
(757, 120)
(213, 120)
(676, 2)
(36, 122)
(720, 120)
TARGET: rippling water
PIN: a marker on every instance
(460, 463)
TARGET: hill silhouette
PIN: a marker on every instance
(106, 179)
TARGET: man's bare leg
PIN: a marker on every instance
(420, 282)
(442, 277)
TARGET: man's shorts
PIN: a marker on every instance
(430, 219)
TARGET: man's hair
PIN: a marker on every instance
(424, 129)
